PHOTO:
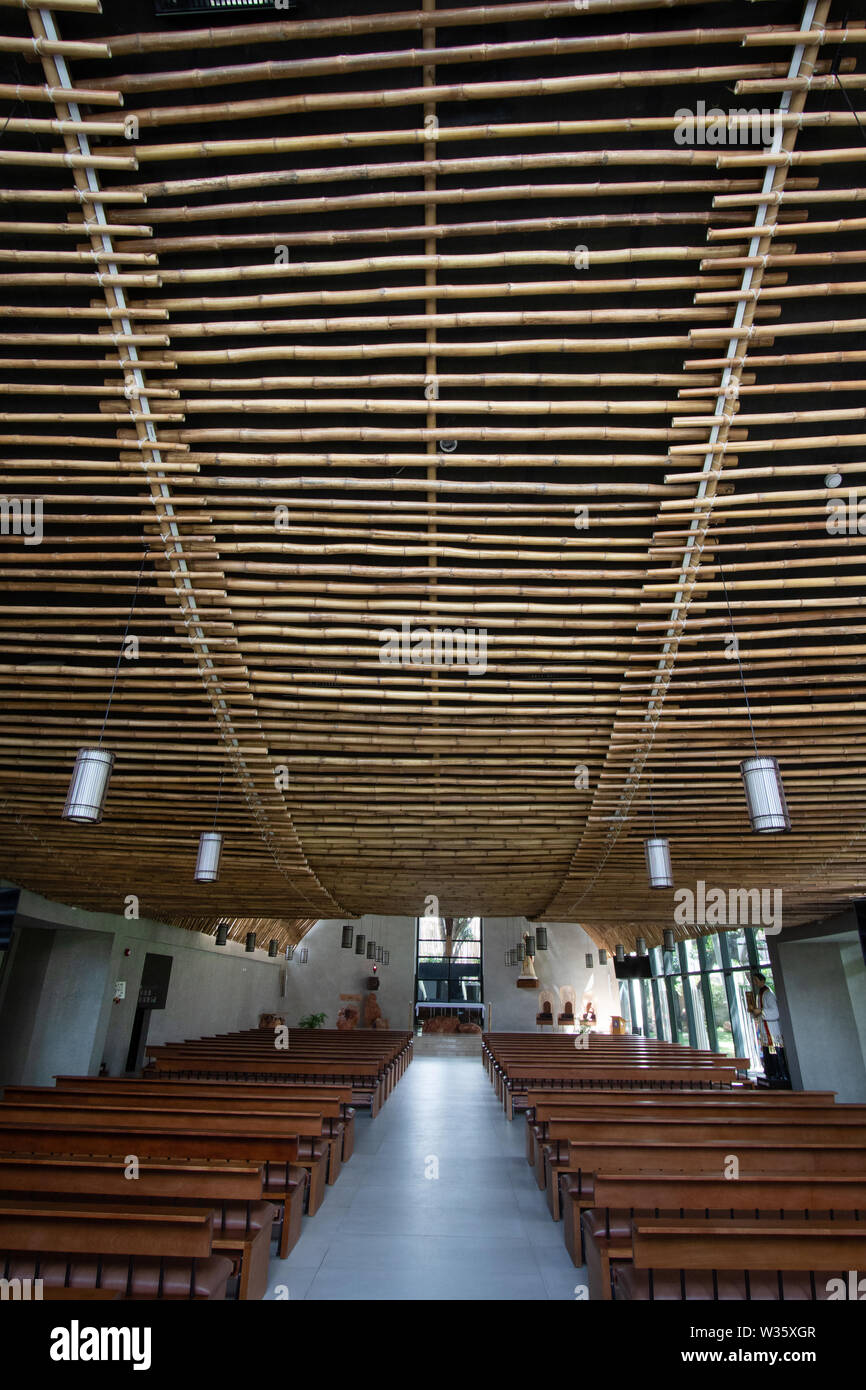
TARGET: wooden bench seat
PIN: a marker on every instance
(606, 1228)
(141, 1252)
(688, 1129)
(676, 1259)
(268, 1092)
(243, 1220)
(756, 1159)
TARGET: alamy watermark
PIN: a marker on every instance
(22, 516)
(734, 127)
(736, 907)
(444, 646)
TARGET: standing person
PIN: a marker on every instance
(766, 1014)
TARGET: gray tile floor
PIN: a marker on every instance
(390, 1228)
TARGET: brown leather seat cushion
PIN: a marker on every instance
(280, 1178)
(86, 1272)
(620, 1222)
(633, 1284)
(231, 1217)
(598, 1223)
(309, 1148)
(583, 1189)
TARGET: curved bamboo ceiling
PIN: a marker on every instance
(342, 319)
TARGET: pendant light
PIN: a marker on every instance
(88, 785)
(273, 947)
(360, 944)
(346, 939)
(371, 950)
(210, 847)
(620, 953)
(222, 934)
(602, 956)
(762, 780)
(250, 943)
(657, 852)
(641, 946)
(669, 938)
(541, 938)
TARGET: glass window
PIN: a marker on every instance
(680, 1020)
(692, 957)
(737, 946)
(624, 1004)
(711, 947)
(449, 962)
(663, 1022)
(721, 1015)
(744, 1022)
(762, 947)
(693, 982)
(649, 1012)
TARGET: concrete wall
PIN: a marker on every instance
(330, 971)
(56, 994)
(563, 963)
(822, 996)
(57, 1009)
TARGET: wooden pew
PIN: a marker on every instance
(88, 1137)
(620, 1199)
(146, 1252)
(131, 1096)
(787, 1158)
(266, 1091)
(218, 1131)
(242, 1217)
(665, 1251)
(688, 1128)
(544, 1106)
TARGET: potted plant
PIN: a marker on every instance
(312, 1021)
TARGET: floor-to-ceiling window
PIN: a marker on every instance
(448, 972)
(697, 994)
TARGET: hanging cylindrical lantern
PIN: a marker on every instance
(222, 934)
(519, 951)
(669, 939)
(250, 943)
(89, 783)
(273, 946)
(360, 944)
(641, 946)
(304, 955)
(602, 956)
(209, 850)
(346, 939)
(588, 959)
(290, 951)
(387, 957)
(529, 945)
(380, 955)
(541, 938)
(657, 851)
(371, 950)
(620, 953)
(765, 795)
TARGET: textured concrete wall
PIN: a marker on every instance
(823, 1031)
(330, 971)
(57, 1011)
(564, 963)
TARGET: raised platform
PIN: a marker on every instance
(447, 1045)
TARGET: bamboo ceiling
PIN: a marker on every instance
(342, 319)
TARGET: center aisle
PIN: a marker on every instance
(437, 1202)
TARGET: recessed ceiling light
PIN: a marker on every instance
(833, 480)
